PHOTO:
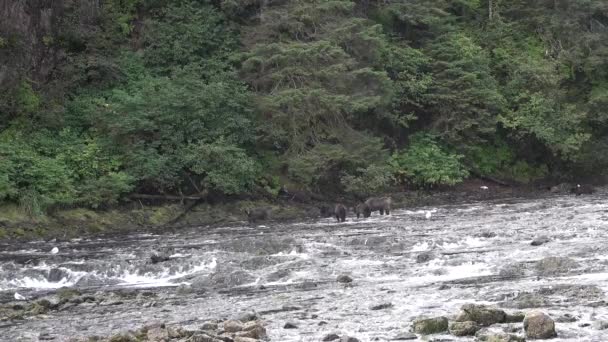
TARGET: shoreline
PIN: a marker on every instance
(170, 217)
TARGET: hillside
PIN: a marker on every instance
(100, 100)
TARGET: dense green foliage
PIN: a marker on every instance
(197, 97)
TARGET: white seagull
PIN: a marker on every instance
(55, 250)
(428, 215)
(483, 187)
(19, 297)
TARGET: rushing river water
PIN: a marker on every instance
(478, 252)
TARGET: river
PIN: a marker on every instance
(463, 253)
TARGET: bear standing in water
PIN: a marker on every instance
(381, 204)
(257, 214)
(340, 212)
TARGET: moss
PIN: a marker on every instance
(163, 215)
(66, 293)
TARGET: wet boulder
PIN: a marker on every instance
(330, 337)
(566, 318)
(561, 188)
(289, 325)
(481, 314)
(540, 240)
(232, 326)
(158, 257)
(538, 325)
(222, 278)
(344, 279)
(253, 329)
(424, 257)
(244, 339)
(428, 326)
(555, 265)
(349, 339)
(467, 328)
(381, 306)
(211, 326)
(582, 189)
(516, 317)
(157, 334)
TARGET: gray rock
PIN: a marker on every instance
(157, 334)
(566, 318)
(467, 328)
(223, 277)
(211, 326)
(244, 339)
(349, 339)
(406, 336)
(344, 279)
(253, 329)
(538, 325)
(515, 317)
(330, 337)
(289, 325)
(487, 234)
(381, 306)
(428, 326)
(540, 240)
(232, 326)
(481, 314)
(555, 265)
(424, 257)
(247, 317)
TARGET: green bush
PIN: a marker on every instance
(426, 164)
(368, 181)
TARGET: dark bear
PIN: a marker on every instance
(381, 204)
(257, 214)
(362, 210)
(340, 212)
(582, 189)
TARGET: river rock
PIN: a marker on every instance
(424, 257)
(349, 339)
(481, 314)
(232, 326)
(289, 325)
(344, 279)
(204, 338)
(566, 318)
(428, 326)
(158, 257)
(539, 325)
(406, 336)
(381, 306)
(223, 277)
(330, 337)
(253, 329)
(467, 328)
(247, 317)
(540, 240)
(515, 317)
(555, 265)
(157, 334)
(211, 326)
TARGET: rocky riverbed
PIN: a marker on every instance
(368, 279)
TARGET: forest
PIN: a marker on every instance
(100, 100)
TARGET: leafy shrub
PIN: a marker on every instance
(368, 181)
(426, 164)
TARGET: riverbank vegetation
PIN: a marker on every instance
(102, 100)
